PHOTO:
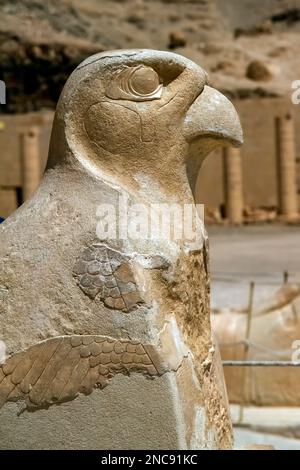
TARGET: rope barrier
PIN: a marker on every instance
(246, 281)
(286, 352)
(221, 276)
(262, 363)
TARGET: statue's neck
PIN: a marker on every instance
(149, 177)
(167, 176)
(147, 185)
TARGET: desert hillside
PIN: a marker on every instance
(248, 46)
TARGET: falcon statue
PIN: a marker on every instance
(107, 335)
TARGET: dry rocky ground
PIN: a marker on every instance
(250, 47)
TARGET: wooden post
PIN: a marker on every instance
(246, 349)
(286, 156)
(31, 164)
(233, 179)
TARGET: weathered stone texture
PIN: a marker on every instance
(81, 312)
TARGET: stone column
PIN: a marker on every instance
(31, 165)
(233, 183)
(286, 155)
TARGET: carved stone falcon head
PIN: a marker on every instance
(142, 115)
(140, 123)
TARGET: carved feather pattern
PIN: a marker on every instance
(103, 272)
(58, 369)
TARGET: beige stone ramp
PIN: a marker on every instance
(280, 421)
(274, 336)
(246, 439)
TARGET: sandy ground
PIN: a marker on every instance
(245, 438)
(253, 253)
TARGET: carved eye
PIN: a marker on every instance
(139, 83)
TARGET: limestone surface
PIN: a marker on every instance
(106, 340)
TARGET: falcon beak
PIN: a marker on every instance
(213, 116)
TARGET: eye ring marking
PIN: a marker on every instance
(140, 83)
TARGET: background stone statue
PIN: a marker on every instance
(108, 341)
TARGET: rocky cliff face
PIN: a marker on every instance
(249, 47)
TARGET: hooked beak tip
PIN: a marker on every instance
(212, 115)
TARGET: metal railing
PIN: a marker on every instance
(247, 343)
(261, 363)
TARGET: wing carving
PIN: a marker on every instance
(103, 272)
(60, 368)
